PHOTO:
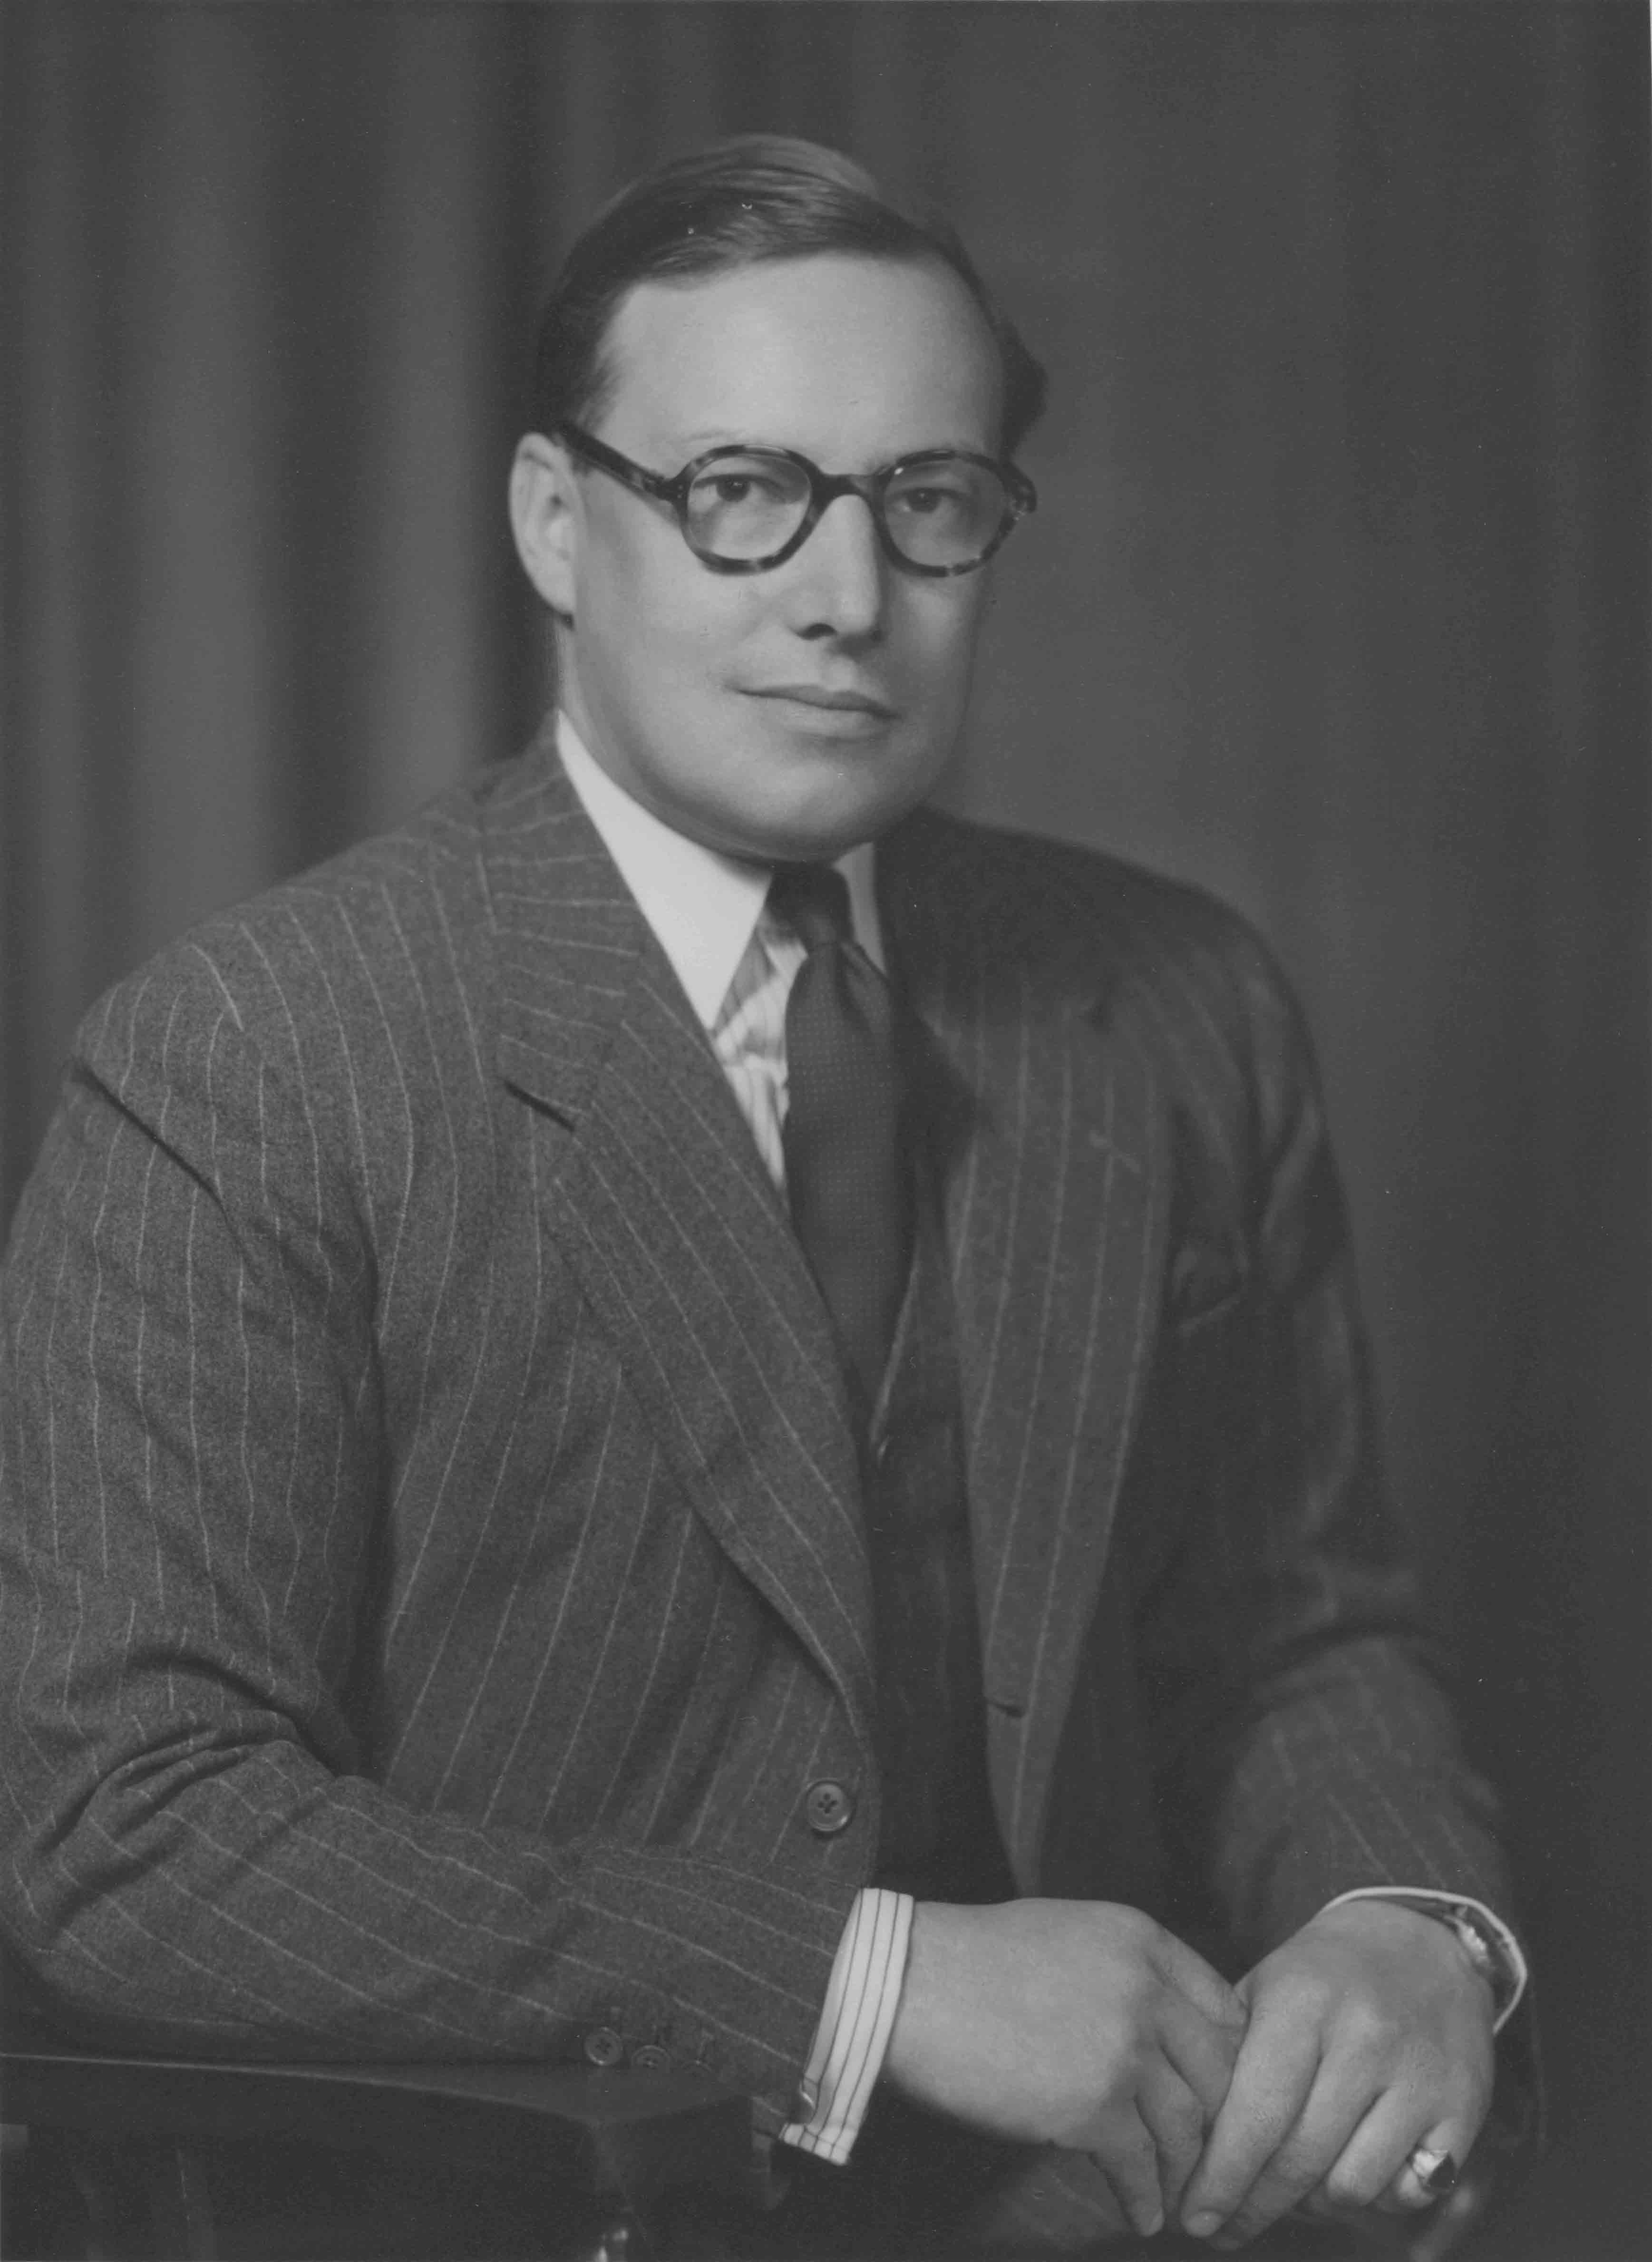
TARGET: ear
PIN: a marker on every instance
(545, 519)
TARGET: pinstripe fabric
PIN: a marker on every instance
(1163, 1348)
(696, 905)
(433, 1572)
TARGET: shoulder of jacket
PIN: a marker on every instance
(1054, 895)
(369, 926)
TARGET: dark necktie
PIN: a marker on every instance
(848, 1180)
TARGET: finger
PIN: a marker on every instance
(1273, 2076)
(1200, 1981)
(1336, 2106)
(1175, 2119)
(1374, 2155)
(1388, 2160)
(1201, 2050)
(1128, 2158)
(1430, 2168)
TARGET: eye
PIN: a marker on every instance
(923, 502)
(740, 487)
(934, 499)
(731, 486)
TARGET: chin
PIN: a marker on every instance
(823, 828)
(833, 806)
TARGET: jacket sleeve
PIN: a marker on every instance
(191, 1458)
(1304, 1745)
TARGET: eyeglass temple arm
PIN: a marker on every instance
(617, 467)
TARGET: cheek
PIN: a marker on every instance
(939, 636)
(666, 618)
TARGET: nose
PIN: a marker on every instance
(840, 586)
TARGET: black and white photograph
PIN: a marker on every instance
(826, 1334)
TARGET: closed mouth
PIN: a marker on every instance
(814, 695)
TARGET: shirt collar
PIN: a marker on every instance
(702, 906)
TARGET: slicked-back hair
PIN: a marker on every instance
(738, 202)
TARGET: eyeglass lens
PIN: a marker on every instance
(943, 513)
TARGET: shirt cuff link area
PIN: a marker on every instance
(857, 2018)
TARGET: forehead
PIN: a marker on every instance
(850, 360)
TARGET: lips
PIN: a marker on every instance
(817, 695)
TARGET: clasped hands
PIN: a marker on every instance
(1087, 2025)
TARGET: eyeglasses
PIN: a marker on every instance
(743, 510)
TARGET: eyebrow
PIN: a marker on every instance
(695, 444)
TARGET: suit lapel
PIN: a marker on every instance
(1056, 1213)
(650, 1180)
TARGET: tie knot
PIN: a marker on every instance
(813, 901)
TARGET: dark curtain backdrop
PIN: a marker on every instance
(1335, 602)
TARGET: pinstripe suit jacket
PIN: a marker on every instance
(434, 1572)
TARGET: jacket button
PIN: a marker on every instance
(829, 1808)
(652, 2058)
(603, 2046)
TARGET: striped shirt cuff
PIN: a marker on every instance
(861, 1998)
(1492, 1929)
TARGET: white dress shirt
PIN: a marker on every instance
(736, 966)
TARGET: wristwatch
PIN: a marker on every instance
(1481, 1945)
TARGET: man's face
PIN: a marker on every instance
(685, 683)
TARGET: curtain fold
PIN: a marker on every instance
(1335, 602)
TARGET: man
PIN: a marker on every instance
(688, 1414)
